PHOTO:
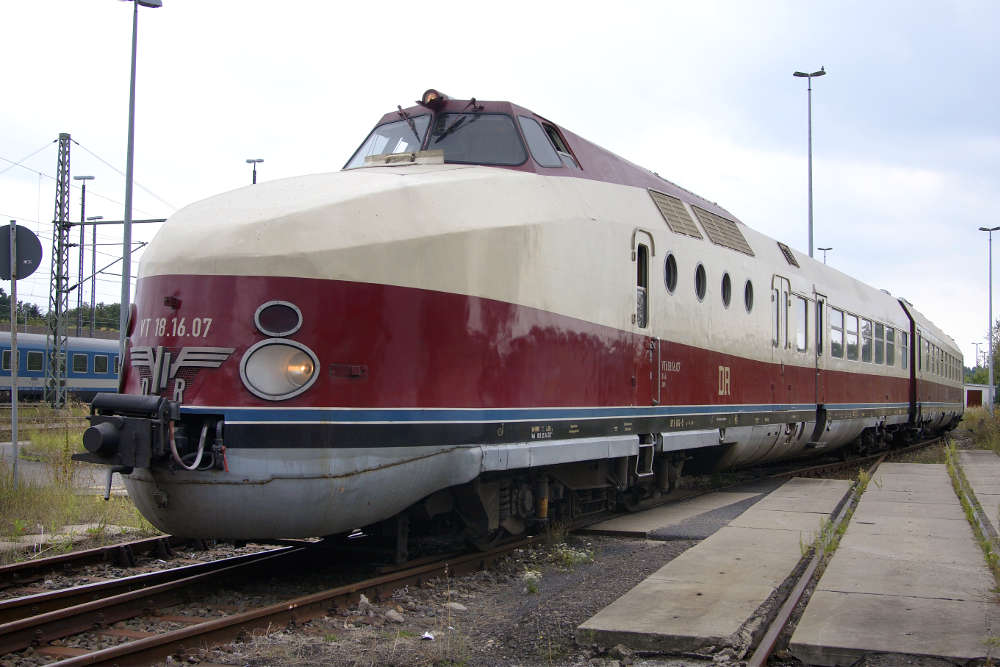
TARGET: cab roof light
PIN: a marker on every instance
(432, 98)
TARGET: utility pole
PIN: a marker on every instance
(79, 282)
(93, 270)
(57, 342)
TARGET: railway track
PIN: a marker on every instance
(44, 621)
(782, 619)
(143, 647)
(124, 554)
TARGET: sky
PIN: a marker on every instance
(906, 142)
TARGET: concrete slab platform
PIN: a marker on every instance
(802, 522)
(901, 582)
(641, 524)
(955, 630)
(940, 550)
(705, 596)
(892, 510)
(884, 576)
(982, 469)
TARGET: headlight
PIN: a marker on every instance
(278, 369)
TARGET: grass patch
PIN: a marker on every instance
(34, 508)
(982, 428)
(45, 507)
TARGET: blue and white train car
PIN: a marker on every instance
(91, 366)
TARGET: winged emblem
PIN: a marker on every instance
(162, 369)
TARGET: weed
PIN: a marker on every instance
(556, 533)
(330, 637)
(531, 579)
(568, 556)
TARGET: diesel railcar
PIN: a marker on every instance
(485, 321)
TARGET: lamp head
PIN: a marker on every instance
(152, 4)
(83, 178)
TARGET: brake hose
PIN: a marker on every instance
(201, 447)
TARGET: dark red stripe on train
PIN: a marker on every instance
(388, 346)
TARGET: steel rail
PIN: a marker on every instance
(16, 574)
(780, 621)
(219, 630)
(15, 609)
(22, 633)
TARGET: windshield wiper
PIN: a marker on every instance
(454, 126)
(409, 121)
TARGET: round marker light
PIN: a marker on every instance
(278, 318)
(276, 370)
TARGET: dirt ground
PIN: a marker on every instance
(525, 612)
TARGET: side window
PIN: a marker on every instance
(35, 360)
(6, 360)
(879, 343)
(561, 148)
(538, 143)
(80, 363)
(117, 369)
(100, 363)
(642, 286)
(890, 346)
(801, 307)
(852, 337)
(866, 340)
(904, 350)
(820, 305)
(836, 333)
(775, 317)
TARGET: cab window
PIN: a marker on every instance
(395, 137)
(538, 143)
(477, 138)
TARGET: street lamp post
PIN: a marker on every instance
(989, 328)
(810, 76)
(977, 344)
(79, 282)
(93, 270)
(824, 252)
(254, 162)
(127, 233)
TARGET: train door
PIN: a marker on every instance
(820, 339)
(645, 379)
(780, 304)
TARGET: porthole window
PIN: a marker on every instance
(670, 273)
(727, 290)
(278, 318)
(700, 282)
(748, 296)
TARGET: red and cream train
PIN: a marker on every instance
(485, 320)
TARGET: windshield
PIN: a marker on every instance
(479, 138)
(395, 137)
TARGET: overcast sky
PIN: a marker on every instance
(906, 142)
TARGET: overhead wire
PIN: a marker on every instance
(26, 157)
(111, 166)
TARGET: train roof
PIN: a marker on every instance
(75, 344)
(595, 162)
(926, 326)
